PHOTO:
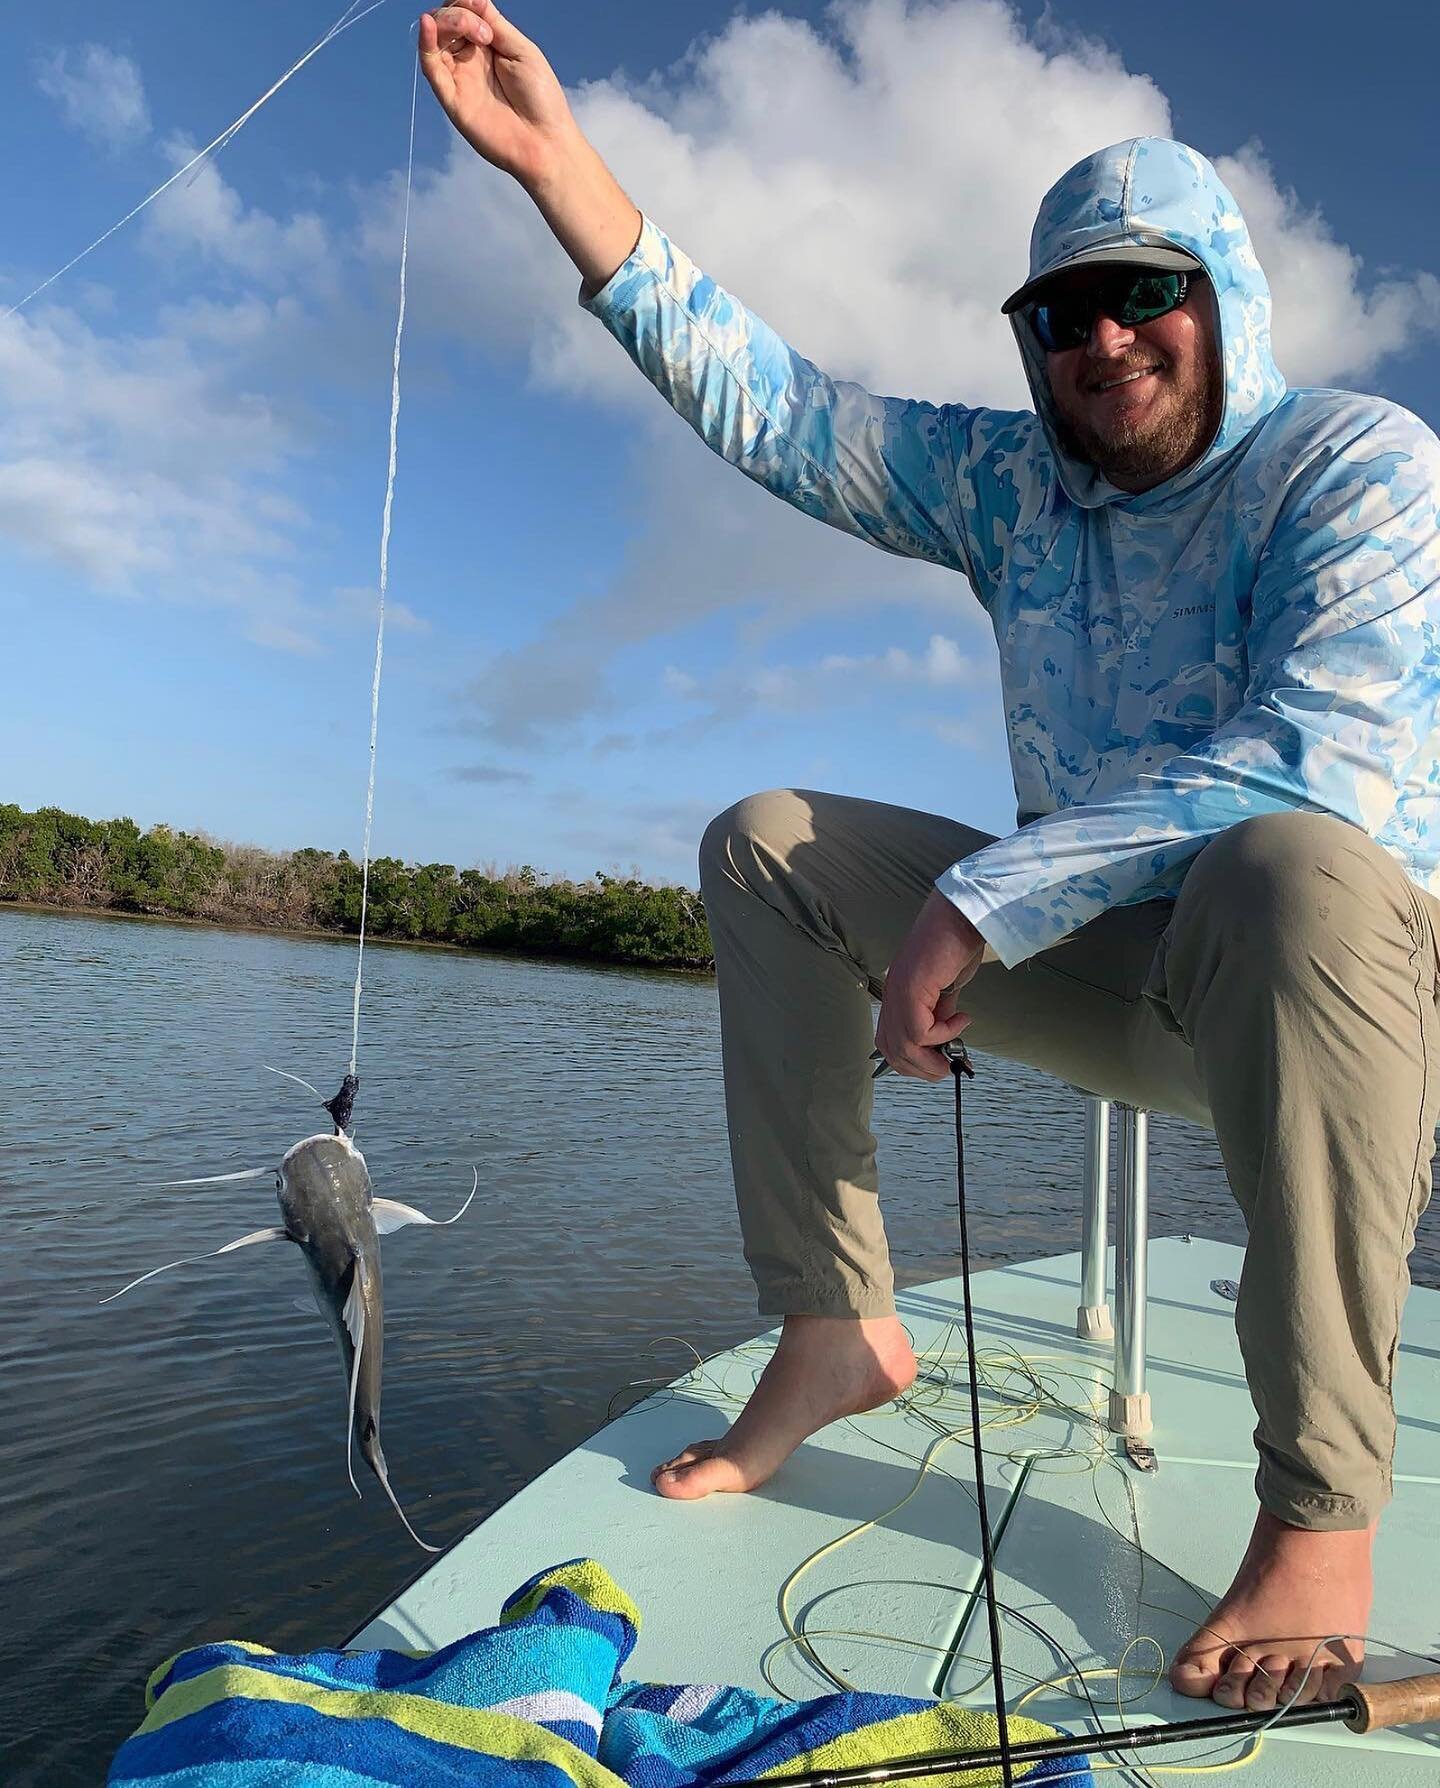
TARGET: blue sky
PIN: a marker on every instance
(600, 635)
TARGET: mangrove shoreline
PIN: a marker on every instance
(53, 861)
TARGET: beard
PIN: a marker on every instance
(1166, 441)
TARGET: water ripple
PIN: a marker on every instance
(174, 1463)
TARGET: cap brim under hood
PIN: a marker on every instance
(1145, 195)
(1122, 254)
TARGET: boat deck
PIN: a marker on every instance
(1096, 1554)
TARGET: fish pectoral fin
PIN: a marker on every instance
(285, 1074)
(244, 1241)
(354, 1310)
(213, 1179)
(354, 1318)
(391, 1215)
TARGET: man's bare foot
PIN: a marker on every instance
(825, 1367)
(1293, 1590)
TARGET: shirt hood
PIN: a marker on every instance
(1142, 192)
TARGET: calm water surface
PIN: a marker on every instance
(174, 1464)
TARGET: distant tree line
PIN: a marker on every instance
(54, 858)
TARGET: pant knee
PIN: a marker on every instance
(741, 845)
(1294, 912)
(1289, 886)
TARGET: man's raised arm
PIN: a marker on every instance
(501, 94)
(937, 482)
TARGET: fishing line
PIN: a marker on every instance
(384, 571)
(347, 18)
(961, 1070)
(352, 15)
(1029, 1386)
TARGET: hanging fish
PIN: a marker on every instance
(333, 1216)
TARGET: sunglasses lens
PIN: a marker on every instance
(1066, 321)
(1152, 295)
(1062, 323)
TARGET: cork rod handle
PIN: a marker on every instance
(1412, 1701)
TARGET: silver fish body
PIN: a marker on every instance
(332, 1215)
(328, 1205)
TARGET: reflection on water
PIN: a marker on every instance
(174, 1465)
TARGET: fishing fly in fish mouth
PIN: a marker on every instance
(332, 1215)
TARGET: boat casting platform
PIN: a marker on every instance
(1099, 1555)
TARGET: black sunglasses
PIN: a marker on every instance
(1134, 295)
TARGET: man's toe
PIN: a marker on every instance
(702, 1449)
(1230, 1690)
(1304, 1682)
(1262, 1692)
(1195, 1673)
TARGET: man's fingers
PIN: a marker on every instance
(459, 24)
(508, 40)
(926, 1064)
(944, 1030)
(919, 1057)
(432, 64)
(916, 1062)
(437, 69)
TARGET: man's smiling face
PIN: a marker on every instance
(1139, 402)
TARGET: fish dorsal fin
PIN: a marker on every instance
(354, 1315)
(391, 1215)
(244, 1241)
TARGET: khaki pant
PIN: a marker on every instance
(1287, 1001)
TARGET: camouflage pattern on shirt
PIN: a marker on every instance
(1255, 634)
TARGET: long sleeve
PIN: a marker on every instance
(1341, 708)
(936, 482)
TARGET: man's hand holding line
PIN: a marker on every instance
(501, 94)
(918, 1012)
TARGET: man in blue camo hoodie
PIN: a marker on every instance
(1216, 602)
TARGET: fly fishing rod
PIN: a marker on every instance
(963, 1069)
(1364, 1707)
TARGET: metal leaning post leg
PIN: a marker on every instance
(1129, 1400)
(1092, 1319)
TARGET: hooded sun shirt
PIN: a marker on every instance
(1256, 634)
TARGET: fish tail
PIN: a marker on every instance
(377, 1465)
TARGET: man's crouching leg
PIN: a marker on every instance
(808, 896)
(1301, 967)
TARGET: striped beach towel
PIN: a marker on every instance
(536, 1702)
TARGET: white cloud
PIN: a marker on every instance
(161, 464)
(1328, 327)
(837, 678)
(143, 467)
(878, 229)
(99, 92)
(204, 215)
(867, 184)
(941, 662)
